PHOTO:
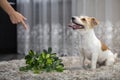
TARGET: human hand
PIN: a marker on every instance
(16, 18)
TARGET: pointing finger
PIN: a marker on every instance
(24, 24)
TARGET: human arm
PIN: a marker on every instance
(15, 16)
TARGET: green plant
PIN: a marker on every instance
(45, 61)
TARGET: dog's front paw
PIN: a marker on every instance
(93, 70)
(86, 66)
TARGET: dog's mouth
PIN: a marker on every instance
(76, 26)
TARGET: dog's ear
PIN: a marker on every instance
(94, 22)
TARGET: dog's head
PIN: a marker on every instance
(83, 22)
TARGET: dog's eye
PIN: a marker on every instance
(83, 19)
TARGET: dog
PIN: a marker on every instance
(93, 49)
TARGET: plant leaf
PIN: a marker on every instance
(25, 68)
(47, 56)
(43, 55)
(31, 53)
(49, 50)
(53, 55)
(49, 61)
(28, 57)
(59, 68)
(35, 70)
(45, 51)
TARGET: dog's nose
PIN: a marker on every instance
(73, 18)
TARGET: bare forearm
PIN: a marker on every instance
(6, 7)
(15, 16)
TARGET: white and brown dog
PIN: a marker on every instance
(94, 50)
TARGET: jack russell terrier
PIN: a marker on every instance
(94, 50)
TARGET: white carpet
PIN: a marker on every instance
(9, 70)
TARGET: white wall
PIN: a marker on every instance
(48, 21)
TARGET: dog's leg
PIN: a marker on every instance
(83, 58)
(83, 62)
(87, 63)
(94, 61)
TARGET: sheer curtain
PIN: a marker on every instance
(48, 20)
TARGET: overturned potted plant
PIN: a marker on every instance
(45, 61)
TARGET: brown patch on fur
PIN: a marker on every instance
(103, 46)
(94, 22)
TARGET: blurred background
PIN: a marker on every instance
(48, 20)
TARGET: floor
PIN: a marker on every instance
(10, 56)
(9, 70)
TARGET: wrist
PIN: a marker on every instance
(10, 12)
